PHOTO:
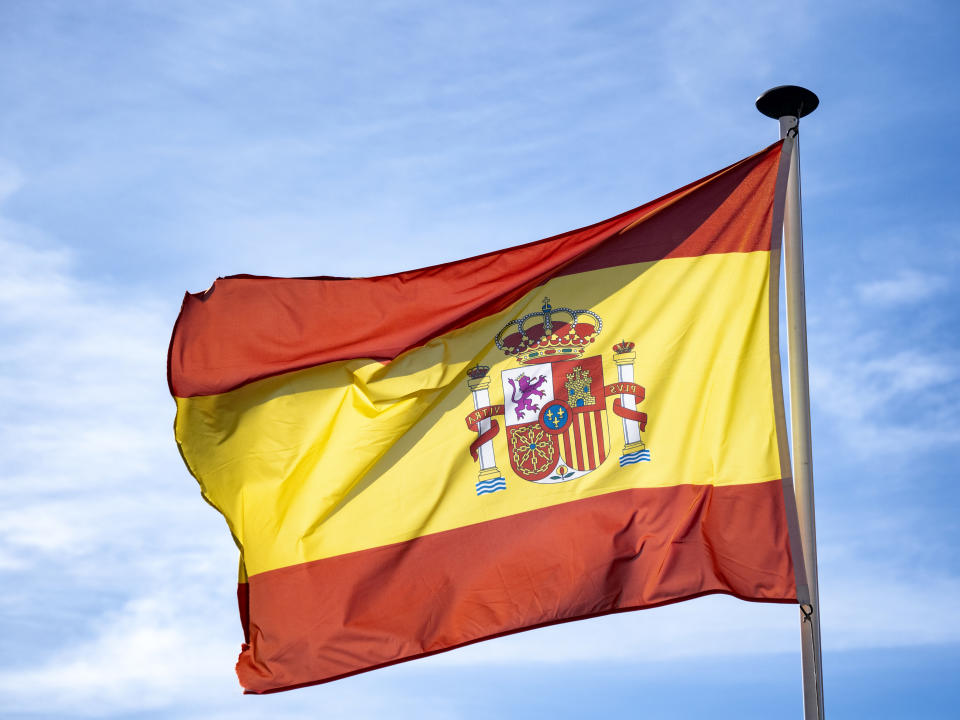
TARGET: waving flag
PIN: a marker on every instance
(581, 425)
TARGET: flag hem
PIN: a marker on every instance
(505, 633)
(789, 498)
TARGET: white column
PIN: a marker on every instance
(481, 399)
(632, 442)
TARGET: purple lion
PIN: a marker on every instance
(527, 389)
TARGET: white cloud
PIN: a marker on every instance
(81, 389)
(872, 604)
(94, 496)
(147, 655)
(879, 382)
(862, 384)
(877, 406)
(908, 287)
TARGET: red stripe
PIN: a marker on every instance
(632, 549)
(601, 450)
(566, 445)
(588, 434)
(246, 328)
(243, 605)
(576, 429)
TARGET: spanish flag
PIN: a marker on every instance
(582, 425)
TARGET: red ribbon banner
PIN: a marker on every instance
(627, 388)
(473, 422)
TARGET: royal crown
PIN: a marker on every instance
(551, 334)
(478, 372)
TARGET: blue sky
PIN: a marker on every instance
(147, 148)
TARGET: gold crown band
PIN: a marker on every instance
(572, 344)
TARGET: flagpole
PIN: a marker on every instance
(789, 103)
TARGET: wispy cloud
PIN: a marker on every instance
(907, 400)
(908, 286)
(94, 497)
(884, 364)
(145, 655)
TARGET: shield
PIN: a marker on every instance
(533, 451)
(556, 419)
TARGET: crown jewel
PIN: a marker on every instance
(550, 334)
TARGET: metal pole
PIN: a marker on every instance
(788, 103)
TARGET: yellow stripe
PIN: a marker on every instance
(357, 454)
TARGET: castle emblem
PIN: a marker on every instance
(554, 409)
(578, 388)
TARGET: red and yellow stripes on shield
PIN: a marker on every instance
(585, 443)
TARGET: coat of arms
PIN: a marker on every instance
(555, 403)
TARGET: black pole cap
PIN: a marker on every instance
(787, 100)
